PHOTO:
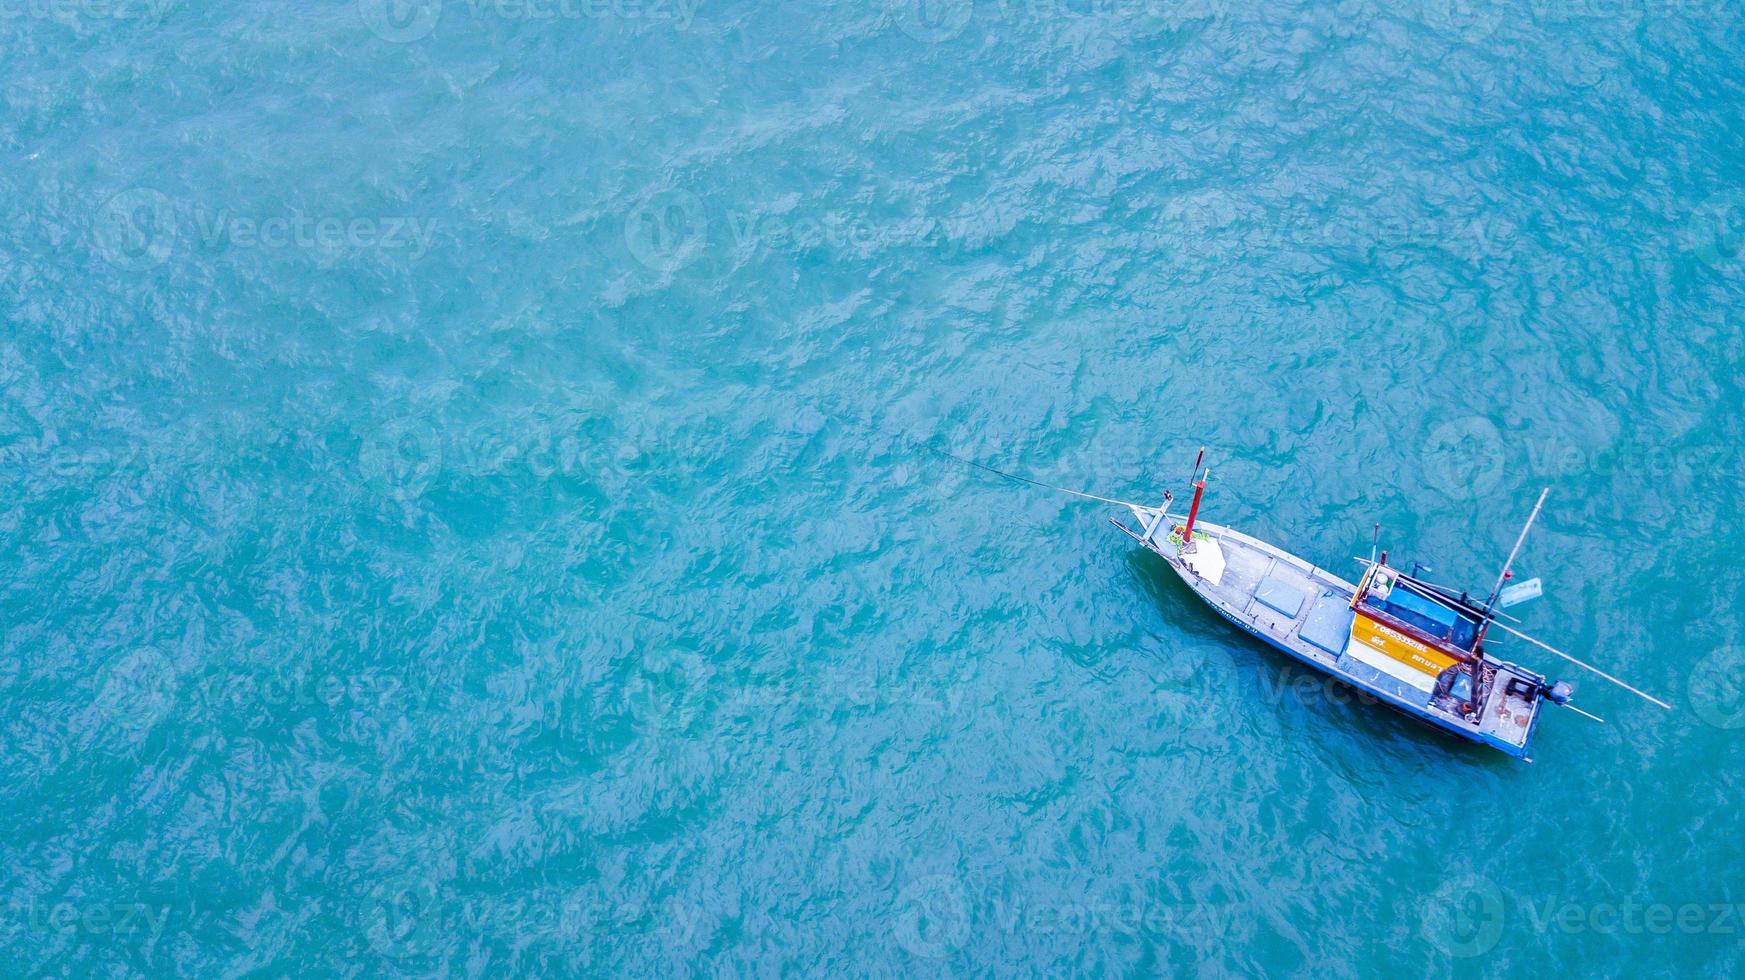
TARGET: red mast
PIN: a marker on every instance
(1194, 508)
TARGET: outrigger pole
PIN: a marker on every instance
(1490, 614)
(1490, 604)
(1548, 648)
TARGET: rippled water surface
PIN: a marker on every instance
(465, 503)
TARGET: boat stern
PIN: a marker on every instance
(1511, 712)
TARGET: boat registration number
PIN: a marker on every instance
(1399, 646)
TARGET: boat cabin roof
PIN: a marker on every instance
(1437, 619)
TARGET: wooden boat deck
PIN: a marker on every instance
(1289, 581)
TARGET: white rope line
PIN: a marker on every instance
(1039, 483)
(1548, 647)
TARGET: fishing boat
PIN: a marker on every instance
(1414, 645)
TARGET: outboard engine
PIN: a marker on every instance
(1559, 693)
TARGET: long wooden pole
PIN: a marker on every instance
(1585, 666)
(1503, 576)
(1490, 605)
(1582, 713)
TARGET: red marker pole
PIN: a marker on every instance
(1194, 509)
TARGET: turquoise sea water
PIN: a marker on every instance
(463, 507)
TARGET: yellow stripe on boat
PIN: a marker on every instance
(1369, 635)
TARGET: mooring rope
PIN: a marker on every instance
(1037, 483)
(915, 443)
